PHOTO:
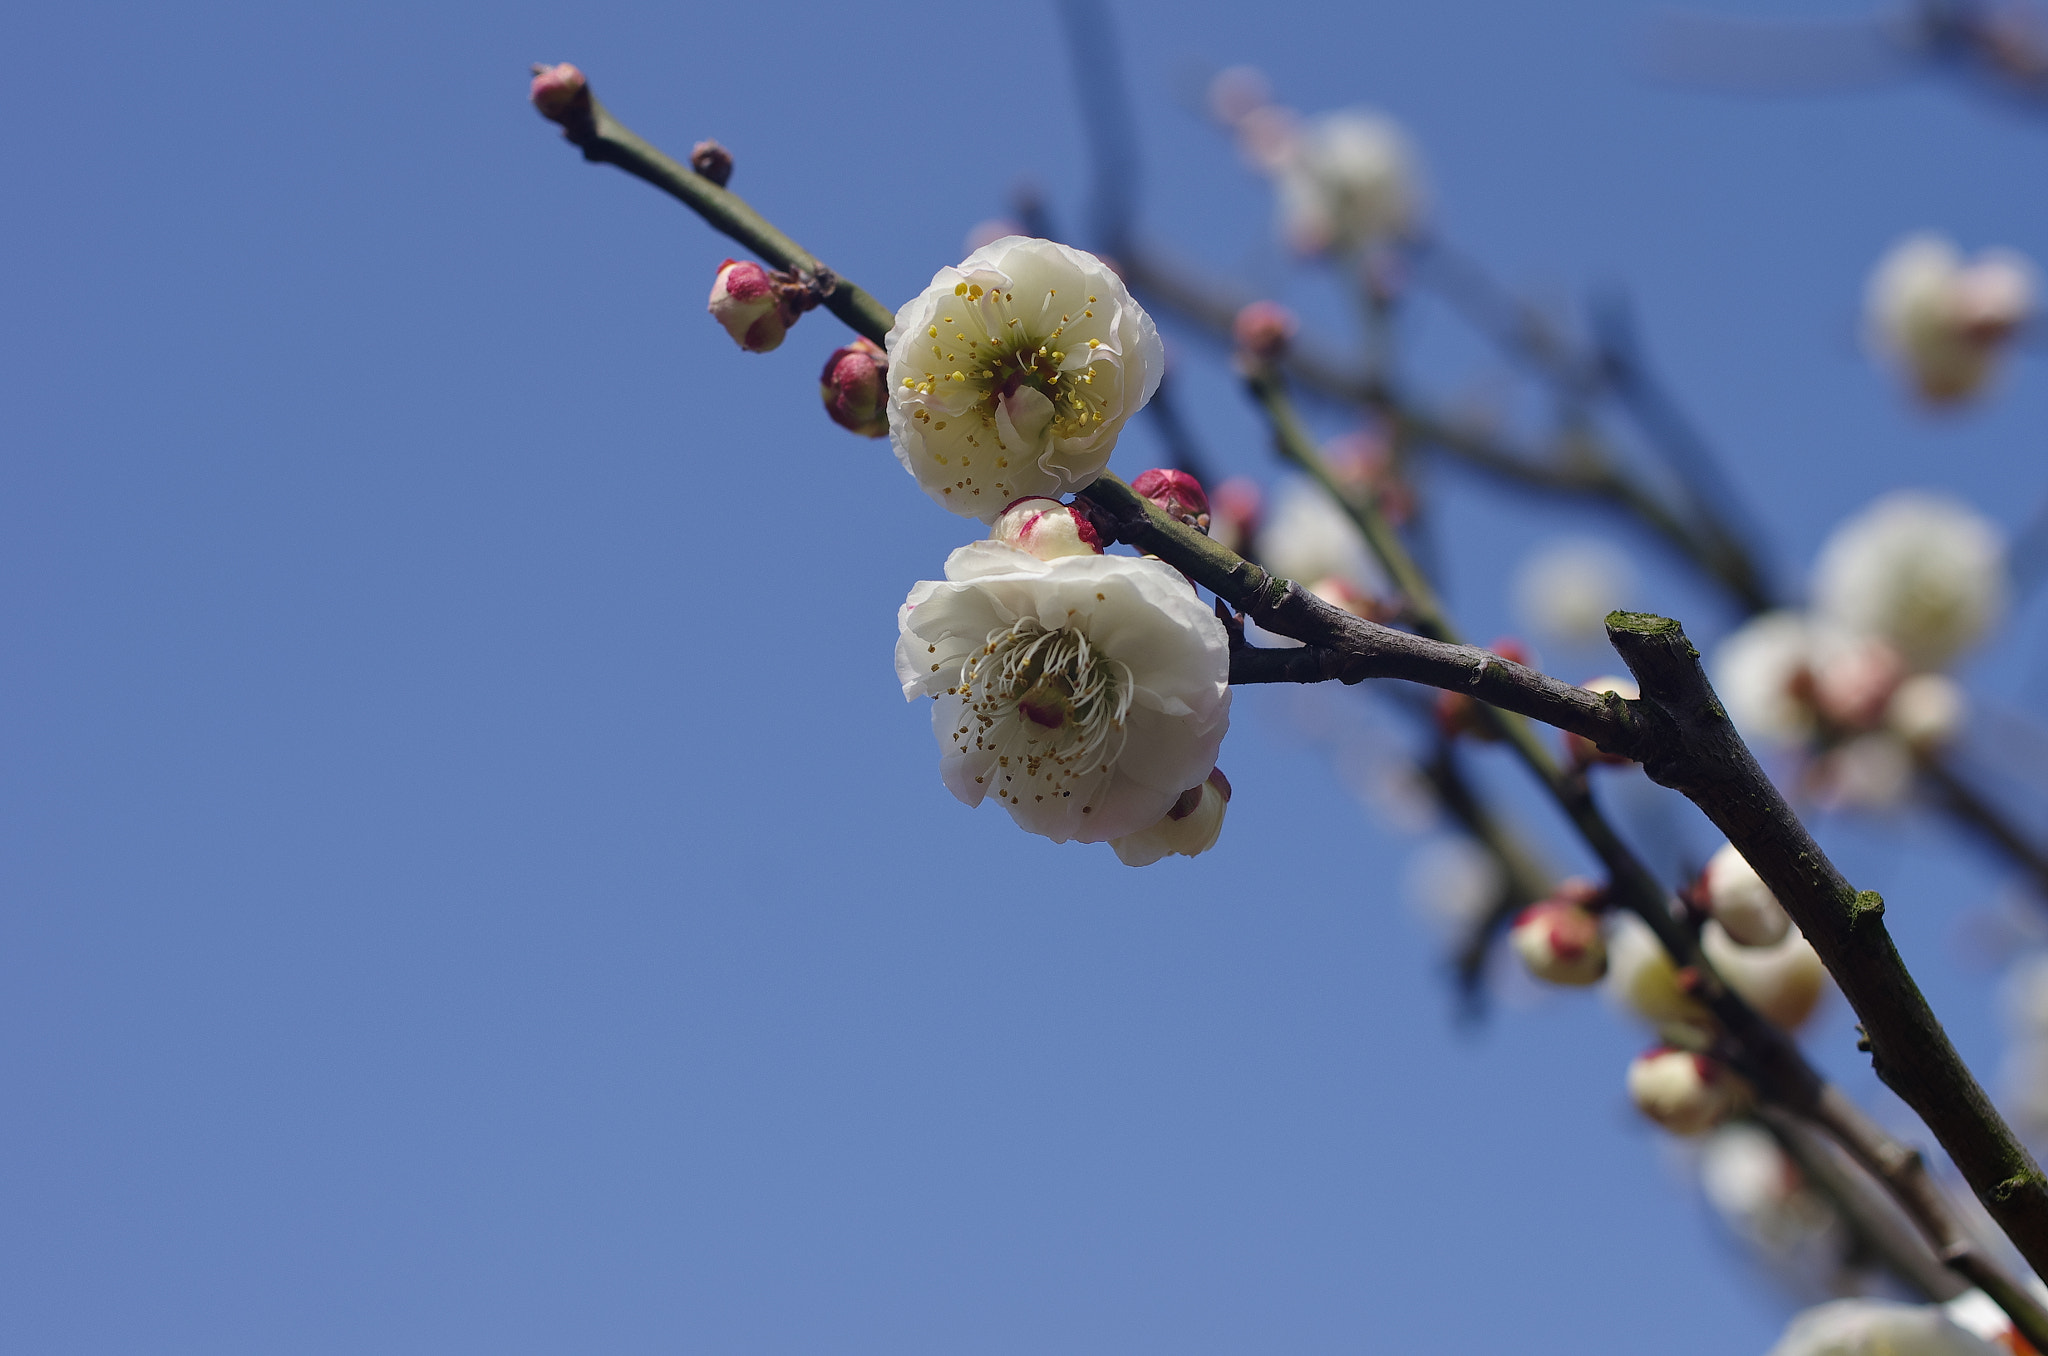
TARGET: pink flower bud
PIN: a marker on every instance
(1179, 493)
(744, 300)
(1685, 1093)
(712, 161)
(559, 92)
(1190, 828)
(1048, 529)
(1740, 901)
(855, 385)
(1263, 330)
(1559, 940)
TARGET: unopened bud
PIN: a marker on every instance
(855, 385)
(559, 92)
(712, 161)
(1190, 828)
(1177, 492)
(1048, 529)
(1927, 711)
(745, 301)
(1687, 1094)
(1740, 901)
(1783, 982)
(1263, 330)
(1559, 940)
(1582, 751)
(1641, 977)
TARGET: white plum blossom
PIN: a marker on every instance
(1566, 588)
(1345, 180)
(1919, 570)
(1012, 374)
(1945, 322)
(1189, 829)
(1871, 1327)
(1087, 692)
(1452, 882)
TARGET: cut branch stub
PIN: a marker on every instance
(1692, 747)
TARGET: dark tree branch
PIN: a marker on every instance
(1699, 754)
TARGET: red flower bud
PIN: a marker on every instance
(1263, 330)
(855, 385)
(744, 300)
(560, 92)
(1179, 493)
(712, 161)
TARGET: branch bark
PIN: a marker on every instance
(1697, 752)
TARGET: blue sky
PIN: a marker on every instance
(471, 882)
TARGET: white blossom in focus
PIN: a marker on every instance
(1012, 375)
(1783, 981)
(1740, 901)
(1917, 569)
(1087, 692)
(1945, 322)
(1566, 588)
(1344, 180)
(1758, 672)
(1189, 829)
(1871, 1327)
(1307, 538)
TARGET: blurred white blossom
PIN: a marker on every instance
(1784, 981)
(1012, 375)
(1565, 589)
(1307, 538)
(1755, 1186)
(1087, 692)
(1343, 180)
(1740, 901)
(1945, 322)
(1917, 569)
(1870, 1327)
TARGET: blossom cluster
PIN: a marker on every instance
(1858, 681)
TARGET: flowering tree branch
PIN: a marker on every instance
(589, 125)
(1678, 731)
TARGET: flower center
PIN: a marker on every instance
(995, 353)
(1065, 698)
